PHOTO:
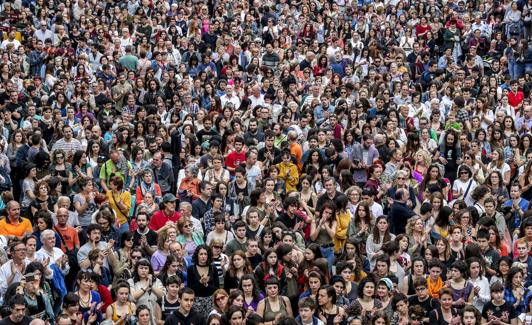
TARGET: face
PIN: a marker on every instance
(369, 289)
(186, 301)
(446, 301)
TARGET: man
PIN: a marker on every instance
(69, 235)
(14, 226)
(253, 136)
(184, 315)
(400, 212)
(236, 157)
(295, 148)
(120, 90)
(524, 123)
(163, 173)
(207, 133)
(270, 59)
(330, 194)
(128, 60)
(524, 259)
(518, 206)
(253, 252)
(490, 208)
(363, 156)
(13, 270)
(67, 143)
(94, 232)
(253, 171)
(200, 206)
(11, 40)
(368, 196)
(269, 151)
(167, 214)
(515, 96)
(17, 306)
(43, 33)
(239, 242)
(229, 97)
(217, 202)
(144, 237)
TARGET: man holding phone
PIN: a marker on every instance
(94, 233)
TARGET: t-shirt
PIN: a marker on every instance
(505, 312)
(70, 237)
(86, 217)
(19, 230)
(428, 304)
(7, 321)
(234, 159)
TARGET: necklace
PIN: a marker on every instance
(83, 302)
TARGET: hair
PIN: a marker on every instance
(196, 254)
(376, 235)
(368, 279)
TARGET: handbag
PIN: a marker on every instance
(71, 253)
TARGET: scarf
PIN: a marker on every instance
(145, 189)
(434, 289)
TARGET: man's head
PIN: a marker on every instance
(94, 233)
(185, 208)
(13, 209)
(17, 303)
(240, 229)
(186, 299)
(142, 220)
(157, 160)
(67, 132)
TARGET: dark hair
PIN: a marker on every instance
(368, 279)
(196, 254)
(398, 297)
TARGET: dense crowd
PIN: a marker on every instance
(265, 162)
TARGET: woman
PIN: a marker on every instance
(462, 290)
(503, 268)
(515, 293)
(189, 185)
(445, 314)
(526, 317)
(273, 304)
(122, 310)
(146, 289)
(158, 259)
(188, 239)
(464, 185)
(361, 225)
(88, 298)
(238, 266)
(497, 164)
(36, 292)
(236, 316)
(219, 233)
(481, 287)
(28, 189)
(323, 230)
(269, 267)
(216, 173)
(79, 168)
(434, 178)
(419, 268)
(417, 237)
(442, 224)
(463, 219)
(144, 315)
(327, 311)
(498, 189)
(202, 277)
(219, 300)
(43, 200)
(60, 168)
(366, 304)
(251, 292)
(384, 294)
(343, 219)
(476, 166)
(120, 202)
(379, 236)
(147, 185)
(44, 221)
(401, 315)
(308, 196)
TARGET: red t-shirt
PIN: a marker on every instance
(515, 99)
(234, 159)
(160, 219)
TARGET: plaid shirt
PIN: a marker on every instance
(509, 297)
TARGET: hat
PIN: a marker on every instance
(169, 197)
(387, 282)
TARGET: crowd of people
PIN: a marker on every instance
(265, 162)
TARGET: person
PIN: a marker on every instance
(422, 298)
(203, 279)
(273, 304)
(14, 225)
(17, 305)
(13, 270)
(166, 215)
(445, 314)
(122, 310)
(400, 212)
(185, 314)
(307, 309)
(498, 309)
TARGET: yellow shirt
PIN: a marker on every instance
(125, 198)
(342, 224)
(22, 228)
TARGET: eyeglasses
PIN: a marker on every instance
(59, 157)
(217, 247)
(421, 289)
(187, 226)
(464, 173)
(401, 178)
(135, 257)
(221, 298)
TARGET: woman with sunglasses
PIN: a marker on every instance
(220, 301)
(188, 239)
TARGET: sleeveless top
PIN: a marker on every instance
(115, 316)
(269, 314)
(329, 318)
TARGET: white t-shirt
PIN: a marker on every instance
(460, 185)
